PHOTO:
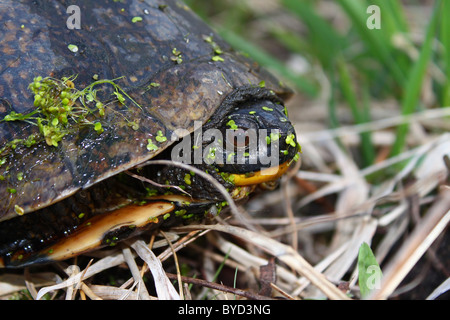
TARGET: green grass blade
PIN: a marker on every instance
(324, 42)
(332, 108)
(291, 41)
(445, 40)
(360, 114)
(265, 59)
(378, 43)
(413, 86)
(367, 146)
(393, 25)
(369, 272)
(393, 17)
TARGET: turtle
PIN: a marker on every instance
(93, 95)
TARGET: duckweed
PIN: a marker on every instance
(176, 56)
(274, 136)
(211, 154)
(11, 190)
(136, 19)
(60, 107)
(98, 127)
(72, 48)
(181, 212)
(19, 210)
(217, 51)
(160, 137)
(290, 139)
(187, 179)
(232, 125)
(151, 146)
(217, 58)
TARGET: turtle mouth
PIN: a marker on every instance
(267, 178)
(259, 177)
(263, 177)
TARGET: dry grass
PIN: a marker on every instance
(302, 240)
(315, 250)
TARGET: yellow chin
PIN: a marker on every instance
(265, 175)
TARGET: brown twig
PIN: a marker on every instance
(221, 287)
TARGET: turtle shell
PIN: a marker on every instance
(163, 57)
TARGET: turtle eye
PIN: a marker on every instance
(239, 132)
(237, 140)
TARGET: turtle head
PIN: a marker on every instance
(249, 141)
(259, 140)
(254, 142)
